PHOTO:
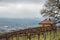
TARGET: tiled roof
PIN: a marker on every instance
(46, 21)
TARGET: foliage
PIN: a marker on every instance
(52, 10)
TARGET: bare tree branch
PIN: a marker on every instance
(52, 9)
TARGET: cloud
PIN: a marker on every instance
(21, 1)
(20, 10)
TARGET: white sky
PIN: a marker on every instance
(20, 8)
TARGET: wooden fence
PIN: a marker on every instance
(38, 33)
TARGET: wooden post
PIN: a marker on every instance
(50, 35)
(17, 37)
(6, 37)
(12, 37)
(30, 36)
(47, 32)
(0, 38)
(25, 36)
(39, 36)
(54, 34)
(44, 35)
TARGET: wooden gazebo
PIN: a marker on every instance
(46, 27)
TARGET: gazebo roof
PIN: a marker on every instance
(46, 21)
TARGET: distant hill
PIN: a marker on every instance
(18, 22)
(8, 24)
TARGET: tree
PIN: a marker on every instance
(52, 10)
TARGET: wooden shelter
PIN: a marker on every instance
(46, 27)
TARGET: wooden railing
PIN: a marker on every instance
(29, 32)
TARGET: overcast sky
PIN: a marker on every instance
(21, 8)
